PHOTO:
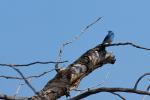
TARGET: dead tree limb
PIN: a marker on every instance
(69, 78)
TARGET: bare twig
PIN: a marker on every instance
(127, 43)
(148, 88)
(32, 63)
(20, 78)
(104, 89)
(19, 87)
(11, 77)
(121, 97)
(26, 81)
(74, 39)
(139, 79)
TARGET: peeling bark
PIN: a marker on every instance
(69, 78)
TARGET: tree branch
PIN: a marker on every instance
(69, 78)
(104, 89)
(139, 79)
(127, 43)
(32, 63)
(20, 78)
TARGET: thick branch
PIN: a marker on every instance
(69, 78)
(104, 89)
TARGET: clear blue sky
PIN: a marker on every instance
(33, 30)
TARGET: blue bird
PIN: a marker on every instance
(109, 38)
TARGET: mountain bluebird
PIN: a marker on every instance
(109, 38)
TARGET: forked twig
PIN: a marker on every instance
(26, 81)
(71, 41)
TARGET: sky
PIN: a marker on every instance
(33, 30)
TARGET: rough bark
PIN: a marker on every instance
(69, 78)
